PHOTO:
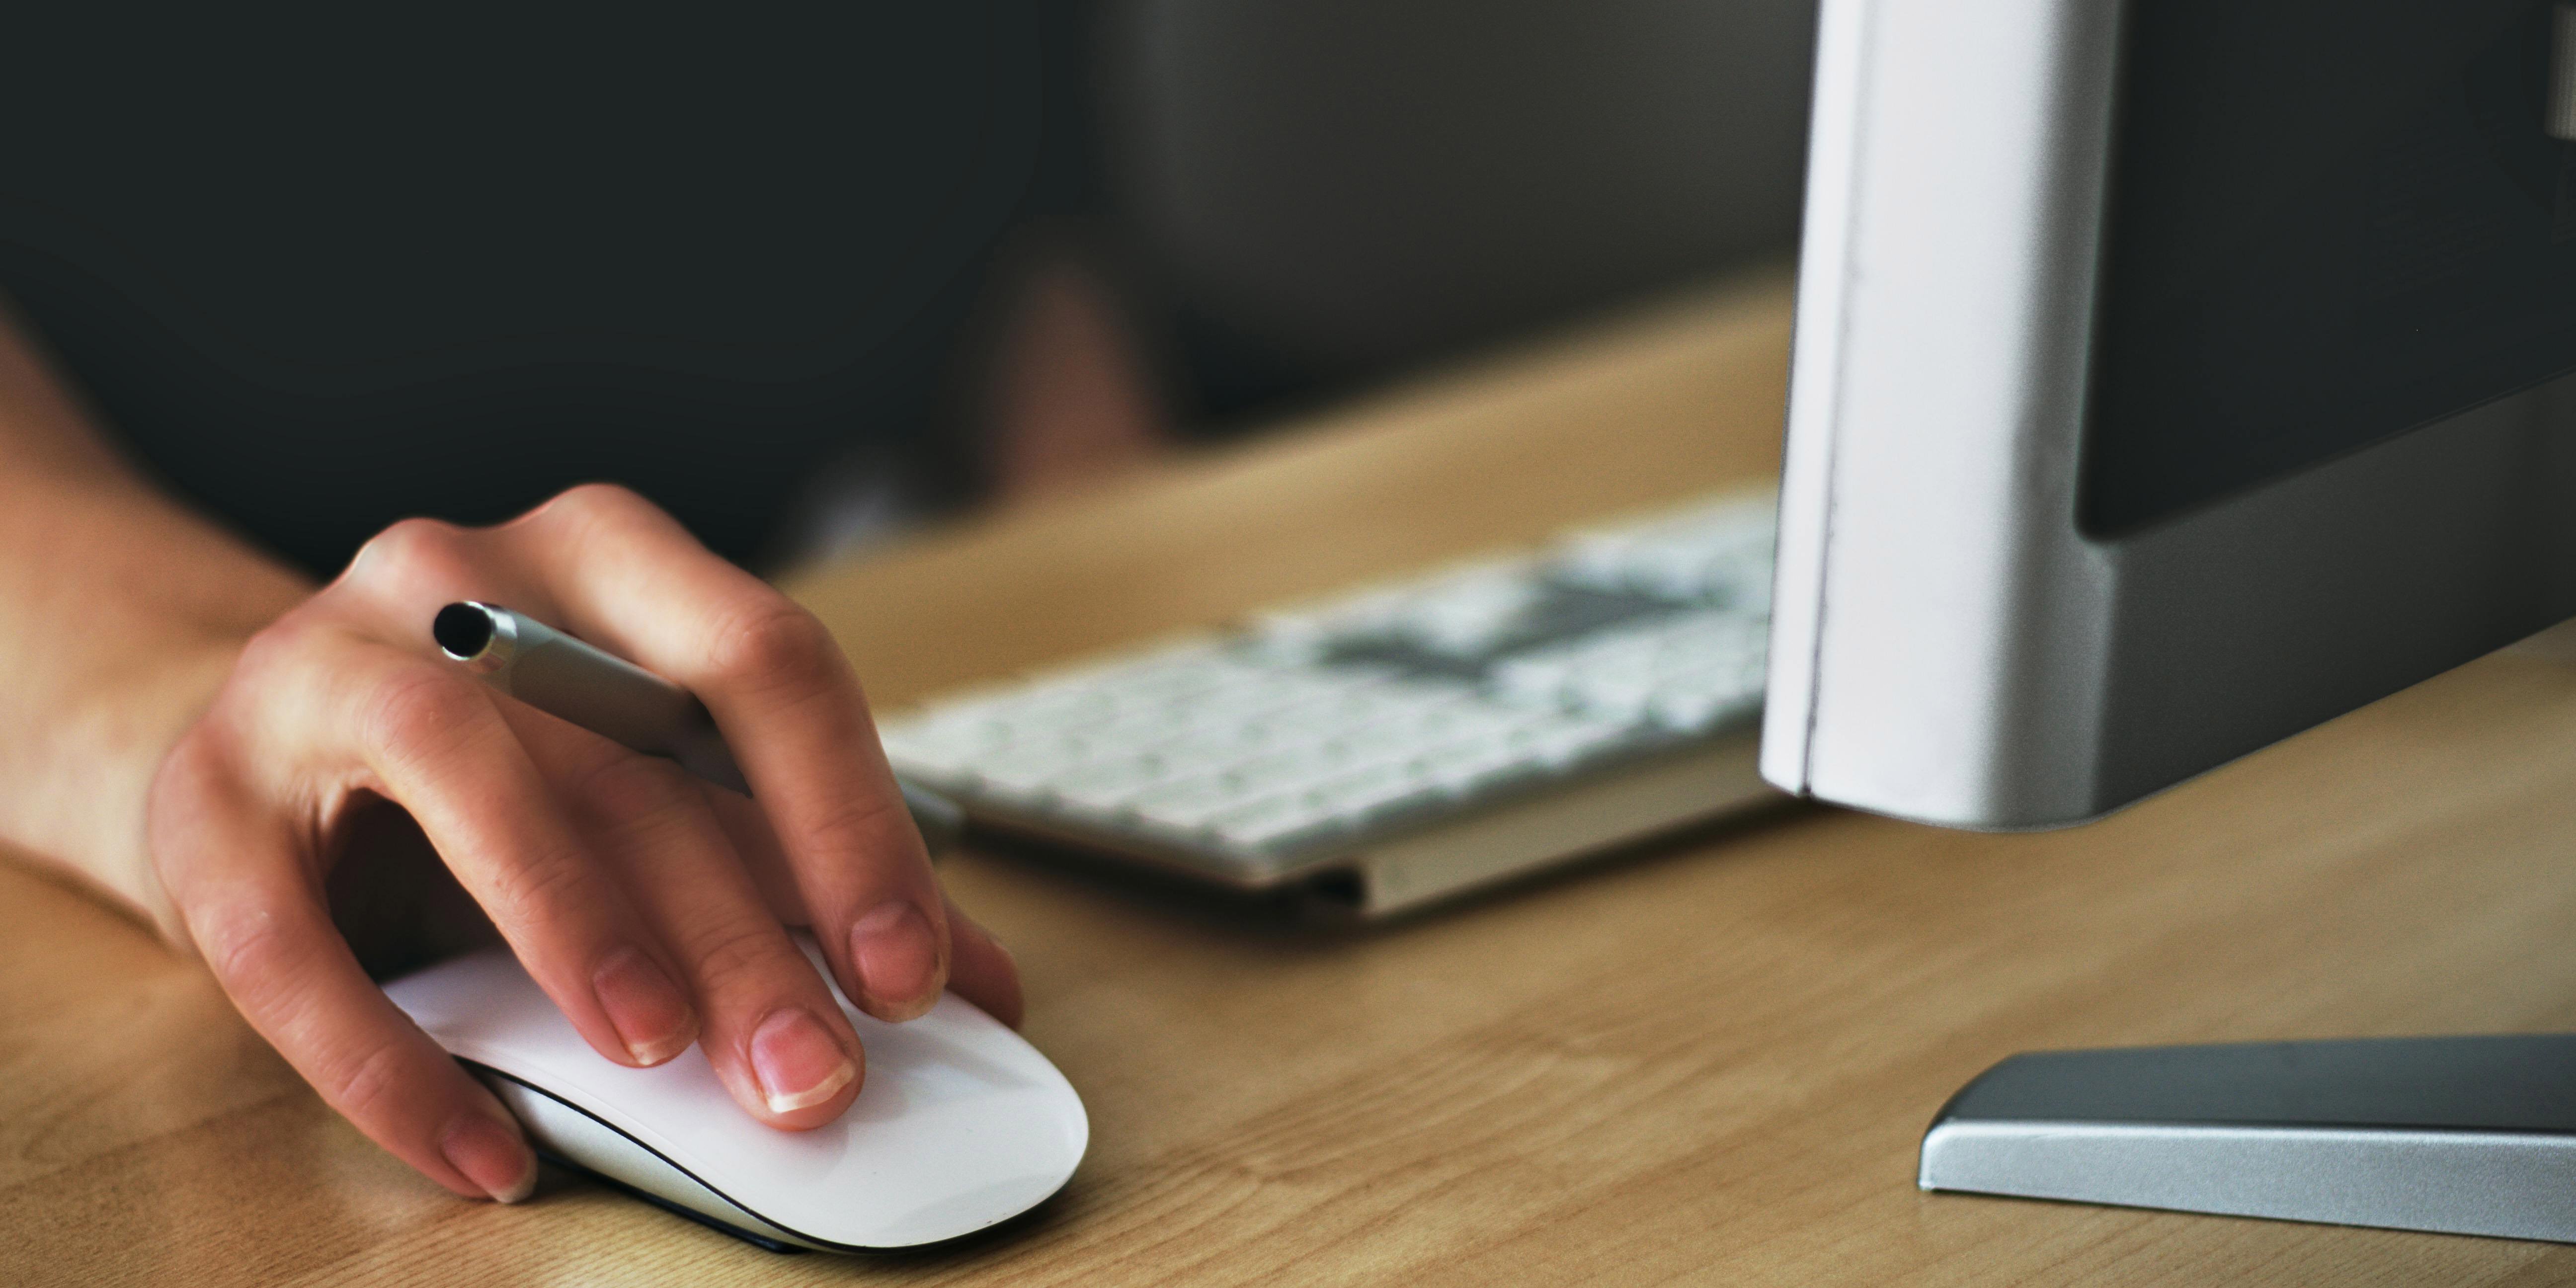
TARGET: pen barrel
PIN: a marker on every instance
(614, 698)
(626, 704)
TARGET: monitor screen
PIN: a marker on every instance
(2330, 222)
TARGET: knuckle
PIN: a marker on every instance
(412, 551)
(625, 788)
(191, 780)
(774, 641)
(358, 1082)
(587, 504)
(192, 770)
(414, 716)
(542, 890)
(278, 649)
(248, 950)
(263, 966)
(732, 954)
(600, 497)
(858, 831)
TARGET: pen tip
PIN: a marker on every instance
(463, 630)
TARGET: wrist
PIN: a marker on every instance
(89, 822)
(113, 651)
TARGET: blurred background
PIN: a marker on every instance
(1250, 206)
(321, 266)
(1308, 193)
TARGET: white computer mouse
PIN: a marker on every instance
(960, 1123)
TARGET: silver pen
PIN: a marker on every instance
(622, 702)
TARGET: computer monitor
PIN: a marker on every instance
(2169, 377)
(2172, 376)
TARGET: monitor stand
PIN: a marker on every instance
(2466, 1135)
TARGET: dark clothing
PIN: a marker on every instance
(325, 265)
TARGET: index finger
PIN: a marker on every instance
(631, 579)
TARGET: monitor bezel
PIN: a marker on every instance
(1948, 644)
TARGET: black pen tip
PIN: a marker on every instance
(462, 630)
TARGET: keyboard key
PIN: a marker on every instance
(1616, 694)
(1105, 788)
(1568, 741)
(1314, 725)
(1028, 768)
(1288, 769)
(1697, 712)
(1357, 796)
(1467, 611)
(1213, 745)
(942, 759)
(1187, 804)
(1273, 822)
(1462, 768)
(1379, 739)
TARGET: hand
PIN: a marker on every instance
(651, 907)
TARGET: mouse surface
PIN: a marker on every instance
(959, 1124)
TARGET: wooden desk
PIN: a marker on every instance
(1708, 1062)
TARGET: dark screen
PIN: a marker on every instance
(2331, 221)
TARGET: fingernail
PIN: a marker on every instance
(491, 1155)
(897, 958)
(652, 1015)
(798, 1061)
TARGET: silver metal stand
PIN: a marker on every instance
(2473, 1135)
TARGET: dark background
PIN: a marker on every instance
(322, 266)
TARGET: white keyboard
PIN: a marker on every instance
(1397, 744)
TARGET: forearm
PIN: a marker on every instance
(119, 614)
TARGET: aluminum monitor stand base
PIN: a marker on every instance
(2464, 1135)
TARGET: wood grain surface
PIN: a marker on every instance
(1707, 1061)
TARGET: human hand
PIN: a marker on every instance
(652, 908)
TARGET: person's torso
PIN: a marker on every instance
(326, 265)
